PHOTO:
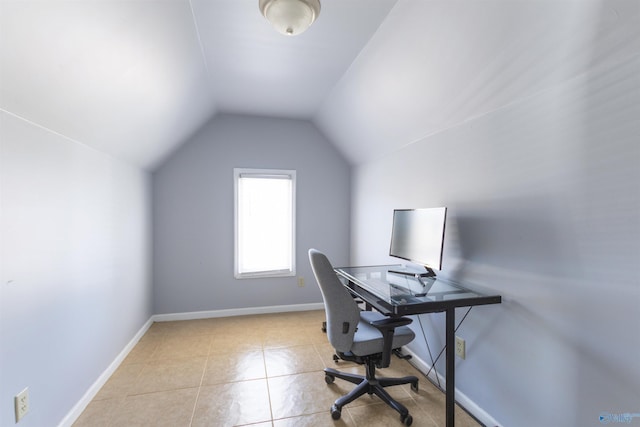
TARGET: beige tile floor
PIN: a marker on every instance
(262, 371)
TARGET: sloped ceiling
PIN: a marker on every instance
(124, 77)
(136, 78)
(433, 65)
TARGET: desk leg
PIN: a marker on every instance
(451, 359)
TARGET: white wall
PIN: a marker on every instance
(74, 278)
(543, 190)
(193, 213)
(544, 208)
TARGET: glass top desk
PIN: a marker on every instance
(395, 294)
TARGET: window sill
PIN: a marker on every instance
(265, 274)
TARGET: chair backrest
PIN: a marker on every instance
(341, 310)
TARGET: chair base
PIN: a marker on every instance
(369, 384)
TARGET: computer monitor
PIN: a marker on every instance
(417, 235)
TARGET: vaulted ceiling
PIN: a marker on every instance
(135, 78)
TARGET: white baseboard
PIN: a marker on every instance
(461, 398)
(82, 404)
(236, 312)
(79, 407)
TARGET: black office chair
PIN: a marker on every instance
(364, 337)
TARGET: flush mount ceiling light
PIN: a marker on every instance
(290, 17)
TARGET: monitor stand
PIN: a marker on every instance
(414, 273)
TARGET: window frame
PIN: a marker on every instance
(264, 173)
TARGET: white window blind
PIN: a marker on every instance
(264, 223)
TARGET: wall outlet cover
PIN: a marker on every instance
(22, 404)
(460, 348)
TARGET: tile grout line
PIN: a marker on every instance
(204, 371)
(266, 378)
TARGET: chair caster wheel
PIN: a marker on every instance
(414, 387)
(329, 379)
(406, 420)
(336, 359)
(335, 412)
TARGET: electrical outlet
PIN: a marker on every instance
(22, 404)
(301, 282)
(460, 348)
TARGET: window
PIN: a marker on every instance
(264, 223)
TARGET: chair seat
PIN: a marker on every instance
(368, 339)
(371, 316)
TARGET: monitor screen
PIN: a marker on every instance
(417, 235)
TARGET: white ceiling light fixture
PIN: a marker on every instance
(290, 17)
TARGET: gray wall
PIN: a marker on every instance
(544, 208)
(75, 267)
(193, 213)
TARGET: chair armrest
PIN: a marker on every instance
(387, 327)
(391, 322)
